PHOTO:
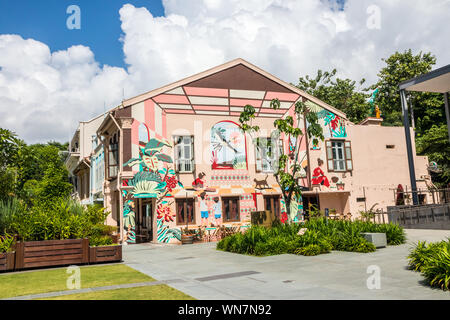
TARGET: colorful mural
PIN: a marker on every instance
(296, 210)
(319, 177)
(333, 125)
(228, 146)
(154, 180)
(129, 219)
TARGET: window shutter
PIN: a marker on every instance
(192, 154)
(330, 156)
(348, 155)
(258, 156)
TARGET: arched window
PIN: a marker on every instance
(144, 135)
(228, 149)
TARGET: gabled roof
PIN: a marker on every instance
(217, 91)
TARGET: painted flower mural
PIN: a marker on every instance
(228, 146)
(154, 180)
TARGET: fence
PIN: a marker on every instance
(425, 196)
(428, 216)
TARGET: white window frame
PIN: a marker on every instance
(263, 161)
(183, 164)
(339, 155)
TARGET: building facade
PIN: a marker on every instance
(85, 162)
(175, 157)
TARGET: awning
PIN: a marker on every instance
(435, 81)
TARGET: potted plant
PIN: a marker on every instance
(340, 185)
(186, 236)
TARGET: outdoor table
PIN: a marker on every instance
(209, 229)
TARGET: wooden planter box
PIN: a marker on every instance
(7, 261)
(105, 254)
(33, 254)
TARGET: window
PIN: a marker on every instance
(230, 209)
(267, 154)
(113, 156)
(272, 203)
(185, 211)
(184, 153)
(339, 155)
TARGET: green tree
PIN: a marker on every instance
(10, 146)
(342, 94)
(435, 144)
(428, 108)
(286, 174)
(54, 185)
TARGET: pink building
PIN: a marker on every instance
(175, 156)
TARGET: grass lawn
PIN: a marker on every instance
(157, 292)
(33, 282)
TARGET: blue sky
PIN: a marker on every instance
(45, 21)
(52, 77)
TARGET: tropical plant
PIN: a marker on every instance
(433, 261)
(6, 243)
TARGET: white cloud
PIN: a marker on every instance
(44, 94)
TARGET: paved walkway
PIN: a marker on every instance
(212, 274)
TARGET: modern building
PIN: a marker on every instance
(176, 157)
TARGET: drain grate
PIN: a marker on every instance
(184, 258)
(227, 275)
(288, 281)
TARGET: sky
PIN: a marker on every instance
(52, 77)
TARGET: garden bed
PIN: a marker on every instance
(105, 254)
(52, 253)
(7, 261)
(316, 236)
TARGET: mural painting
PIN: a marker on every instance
(228, 146)
(333, 125)
(319, 177)
(155, 180)
(128, 218)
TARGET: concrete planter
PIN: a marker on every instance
(378, 239)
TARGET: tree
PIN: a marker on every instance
(400, 67)
(435, 144)
(339, 93)
(428, 108)
(285, 174)
(10, 147)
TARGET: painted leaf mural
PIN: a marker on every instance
(154, 180)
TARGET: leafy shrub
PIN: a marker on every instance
(310, 250)
(6, 243)
(97, 241)
(62, 219)
(9, 209)
(433, 261)
(322, 236)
